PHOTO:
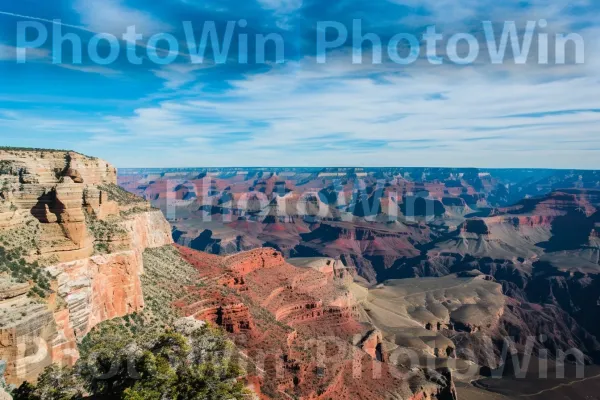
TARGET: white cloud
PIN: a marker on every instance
(178, 75)
(338, 114)
(487, 118)
(302, 113)
(108, 72)
(283, 10)
(111, 16)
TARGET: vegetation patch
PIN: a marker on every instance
(120, 195)
(165, 277)
(105, 232)
(16, 248)
(6, 148)
(192, 361)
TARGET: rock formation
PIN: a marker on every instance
(525, 242)
(79, 241)
(27, 331)
(299, 325)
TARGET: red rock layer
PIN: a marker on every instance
(295, 326)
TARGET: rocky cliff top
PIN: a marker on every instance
(50, 166)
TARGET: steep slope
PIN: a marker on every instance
(71, 243)
(368, 248)
(299, 327)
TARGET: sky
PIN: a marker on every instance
(300, 112)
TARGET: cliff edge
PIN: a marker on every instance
(71, 244)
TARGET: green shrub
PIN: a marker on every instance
(13, 263)
(153, 364)
(55, 383)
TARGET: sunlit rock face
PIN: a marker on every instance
(65, 216)
(26, 329)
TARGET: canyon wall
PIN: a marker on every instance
(72, 244)
(282, 314)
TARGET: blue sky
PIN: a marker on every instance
(301, 113)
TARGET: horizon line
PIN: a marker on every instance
(350, 167)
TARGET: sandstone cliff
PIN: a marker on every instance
(71, 244)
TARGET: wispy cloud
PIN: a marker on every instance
(42, 55)
(113, 16)
(178, 75)
(283, 10)
(105, 71)
(9, 53)
(303, 113)
(294, 108)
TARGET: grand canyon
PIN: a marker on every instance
(299, 200)
(330, 283)
(461, 265)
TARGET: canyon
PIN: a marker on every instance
(458, 265)
(333, 284)
(78, 251)
(301, 328)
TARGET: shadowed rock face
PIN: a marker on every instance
(63, 214)
(476, 226)
(544, 253)
(369, 250)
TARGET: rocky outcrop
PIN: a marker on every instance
(235, 318)
(75, 226)
(330, 267)
(50, 185)
(45, 166)
(100, 288)
(443, 387)
(147, 229)
(368, 251)
(27, 331)
(250, 261)
(372, 344)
